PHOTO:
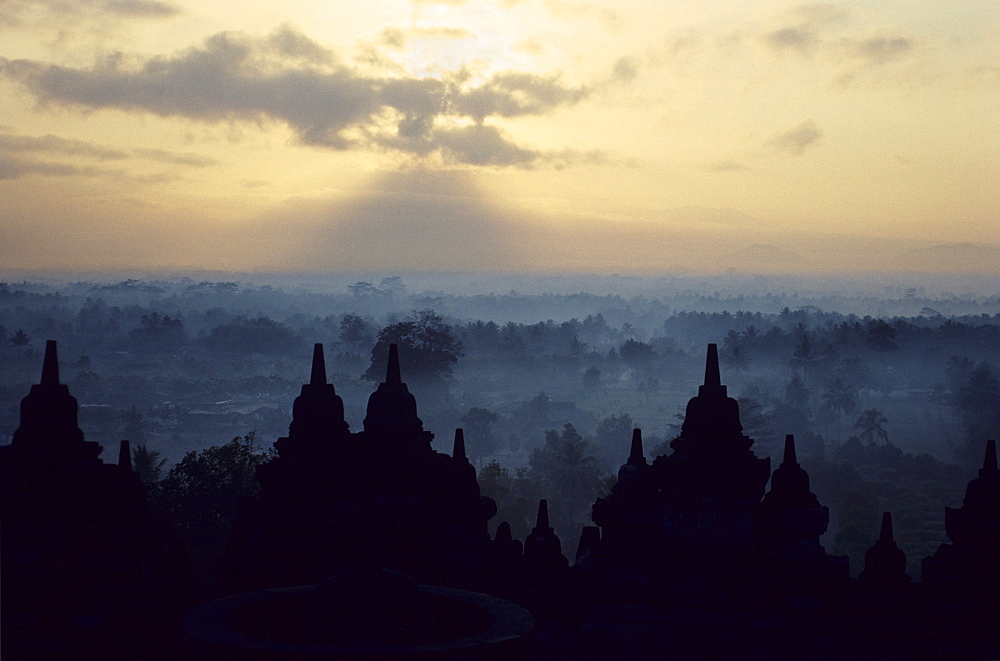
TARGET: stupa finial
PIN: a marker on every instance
(789, 458)
(50, 365)
(885, 535)
(458, 452)
(318, 376)
(990, 460)
(542, 522)
(712, 377)
(392, 374)
(636, 454)
(125, 456)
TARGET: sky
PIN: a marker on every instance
(626, 136)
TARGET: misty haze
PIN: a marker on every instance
(499, 329)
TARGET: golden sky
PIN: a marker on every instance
(540, 135)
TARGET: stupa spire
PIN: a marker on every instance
(790, 483)
(636, 454)
(458, 451)
(318, 412)
(712, 377)
(50, 365)
(392, 375)
(542, 548)
(125, 456)
(318, 376)
(990, 459)
(49, 415)
(392, 408)
(503, 536)
(542, 521)
(789, 458)
(885, 562)
(885, 535)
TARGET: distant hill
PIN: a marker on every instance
(763, 256)
(965, 257)
(711, 215)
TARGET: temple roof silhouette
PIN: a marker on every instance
(392, 409)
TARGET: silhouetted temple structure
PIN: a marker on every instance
(83, 560)
(691, 555)
(328, 489)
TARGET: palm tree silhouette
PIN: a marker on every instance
(148, 464)
(981, 392)
(839, 397)
(870, 423)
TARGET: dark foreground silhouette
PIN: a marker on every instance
(370, 544)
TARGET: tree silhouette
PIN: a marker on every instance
(804, 354)
(481, 441)
(796, 393)
(839, 397)
(427, 347)
(881, 335)
(200, 491)
(870, 423)
(637, 355)
(133, 428)
(19, 338)
(939, 396)
(564, 467)
(980, 393)
(148, 464)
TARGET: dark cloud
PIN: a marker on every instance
(516, 94)
(878, 50)
(53, 143)
(144, 8)
(11, 143)
(292, 44)
(18, 12)
(175, 158)
(801, 38)
(625, 69)
(807, 31)
(288, 78)
(861, 56)
(484, 145)
(16, 168)
(795, 140)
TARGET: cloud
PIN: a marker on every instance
(288, 78)
(801, 38)
(18, 12)
(862, 55)
(143, 8)
(819, 13)
(176, 158)
(515, 94)
(796, 140)
(576, 9)
(804, 24)
(878, 50)
(16, 168)
(399, 38)
(728, 166)
(484, 145)
(53, 143)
